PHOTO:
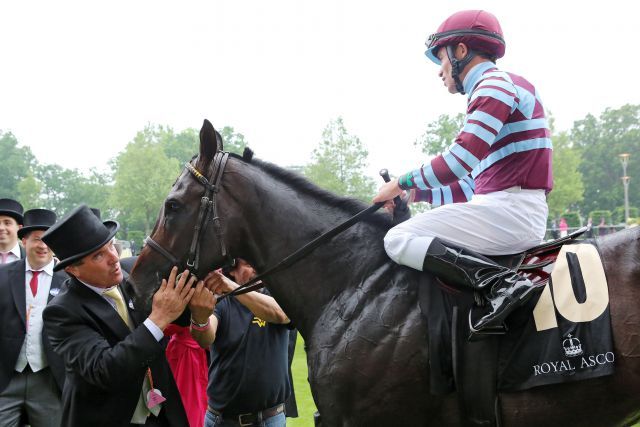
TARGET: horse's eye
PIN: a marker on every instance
(171, 206)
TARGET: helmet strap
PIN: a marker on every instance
(457, 65)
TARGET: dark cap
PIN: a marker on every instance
(77, 235)
(12, 208)
(37, 219)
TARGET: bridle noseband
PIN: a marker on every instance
(208, 211)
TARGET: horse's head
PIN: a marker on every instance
(187, 232)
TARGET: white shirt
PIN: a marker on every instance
(32, 351)
(13, 254)
(152, 327)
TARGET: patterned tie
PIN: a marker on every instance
(33, 283)
(5, 256)
(121, 308)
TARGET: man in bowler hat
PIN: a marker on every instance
(10, 222)
(117, 374)
(31, 374)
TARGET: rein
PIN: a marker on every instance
(208, 208)
(256, 282)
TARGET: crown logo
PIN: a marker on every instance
(572, 346)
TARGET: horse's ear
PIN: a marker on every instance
(219, 141)
(208, 142)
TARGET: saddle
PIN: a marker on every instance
(471, 367)
(532, 261)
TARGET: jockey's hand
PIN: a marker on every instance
(218, 283)
(390, 205)
(388, 191)
(202, 303)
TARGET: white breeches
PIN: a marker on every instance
(499, 223)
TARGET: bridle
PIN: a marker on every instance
(208, 211)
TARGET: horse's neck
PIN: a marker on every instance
(340, 264)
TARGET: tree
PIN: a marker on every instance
(338, 163)
(440, 134)
(567, 180)
(233, 141)
(143, 176)
(184, 145)
(17, 163)
(63, 189)
(600, 141)
(29, 192)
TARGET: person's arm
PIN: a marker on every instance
(263, 306)
(80, 344)
(458, 192)
(204, 324)
(88, 353)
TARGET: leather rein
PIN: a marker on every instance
(208, 211)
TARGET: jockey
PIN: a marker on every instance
(500, 164)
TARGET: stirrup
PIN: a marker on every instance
(489, 331)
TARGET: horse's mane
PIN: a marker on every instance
(303, 185)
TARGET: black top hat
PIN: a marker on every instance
(11, 208)
(77, 235)
(37, 219)
(96, 212)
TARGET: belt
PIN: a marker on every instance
(250, 418)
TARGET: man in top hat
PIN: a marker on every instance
(31, 374)
(117, 374)
(10, 222)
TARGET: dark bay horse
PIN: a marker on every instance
(357, 310)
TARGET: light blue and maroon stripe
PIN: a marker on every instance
(505, 142)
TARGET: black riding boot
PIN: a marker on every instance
(505, 289)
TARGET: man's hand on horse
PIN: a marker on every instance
(171, 298)
(202, 303)
(388, 191)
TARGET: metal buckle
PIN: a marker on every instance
(250, 423)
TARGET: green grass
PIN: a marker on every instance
(306, 406)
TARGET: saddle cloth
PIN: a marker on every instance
(563, 334)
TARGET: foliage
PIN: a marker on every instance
(181, 146)
(618, 214)
(29, 192)
(338, 163)
(63, 189)
(598, 215)
(573, 219)
(184, 145)
(143, 176)
(440, 134)
(600, 141)
(232, 141)
(17, 164)
(567, 180)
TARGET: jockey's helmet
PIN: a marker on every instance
(478, 29)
